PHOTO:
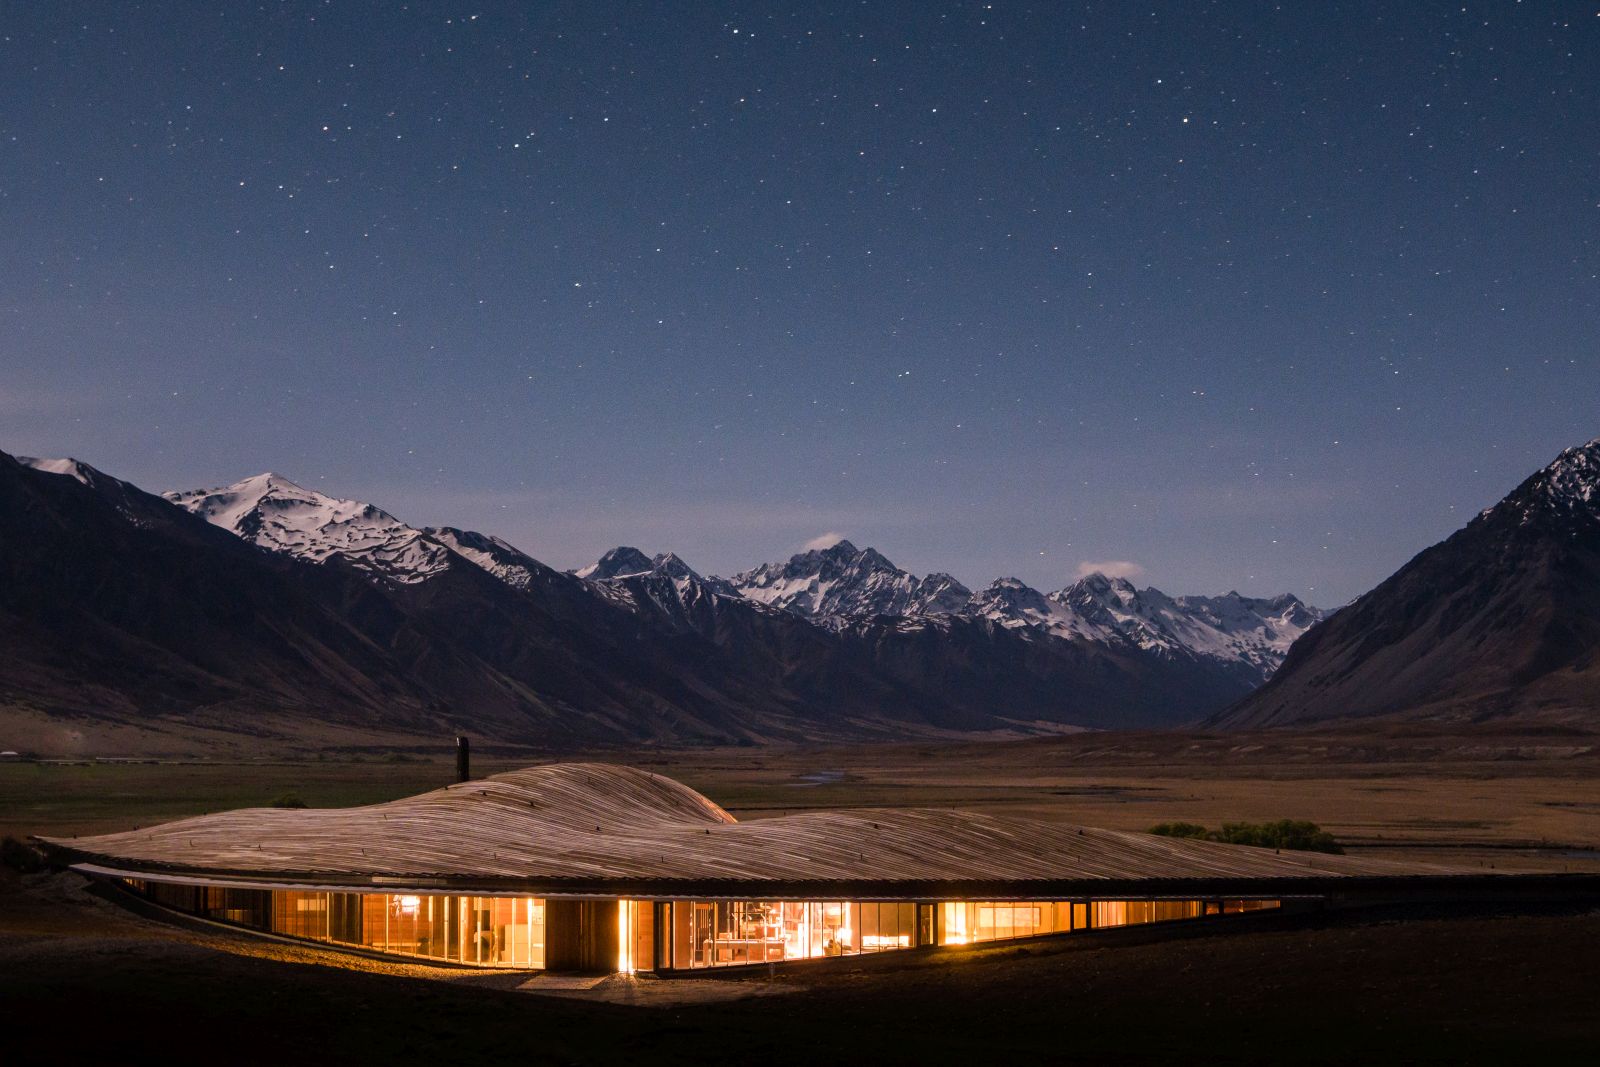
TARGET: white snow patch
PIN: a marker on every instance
(70, 467)
(275, 513)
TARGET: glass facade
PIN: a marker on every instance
(971, 922)
(706, 933)
(645, 935)
(966, 922)
(484, 931)
(715, 933)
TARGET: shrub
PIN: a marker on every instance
(1181, 829)
(1292, 834)
(1295, 835)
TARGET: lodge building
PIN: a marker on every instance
(596, 867)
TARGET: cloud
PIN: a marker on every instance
(1111, 568)
(821, 541)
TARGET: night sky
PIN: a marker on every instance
(1253, 296)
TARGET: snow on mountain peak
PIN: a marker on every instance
(673, 566)
(617, 563)
(273, 512)
(662, 583)
(72, 468)
(836, 585)
(842, 581)
(1013, 604)
(1255, 632)
(1566, 490)
(127, 498)
(1099, 586)
(940, 594)
(626, 562)
(500, 558)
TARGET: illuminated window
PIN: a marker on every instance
(732, 933)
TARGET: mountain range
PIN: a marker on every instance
(264, 608)
(842, 587)
(837, 588)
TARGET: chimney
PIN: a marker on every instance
(463, 759)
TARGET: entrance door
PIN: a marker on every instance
(583, 935)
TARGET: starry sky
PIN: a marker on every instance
(1255, 296)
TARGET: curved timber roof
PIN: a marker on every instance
(599, 828)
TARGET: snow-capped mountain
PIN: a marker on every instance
(627, 562)
(500, 558)
(663, 583)
(1254, 634)
(836, 585)
(842, 581)
(1253, 631)
(620, 562)
(276, 514)
(1015, 605)
(78, 472)
(1565, 491)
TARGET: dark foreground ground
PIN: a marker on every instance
(83, 980)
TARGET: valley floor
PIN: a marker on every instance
(81, 979)
(1510, 799)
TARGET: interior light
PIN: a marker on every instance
(625, 936)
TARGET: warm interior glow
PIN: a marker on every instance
(625, 963)
(511, 931)
(704, 933)
(955, 924)
(872, 941)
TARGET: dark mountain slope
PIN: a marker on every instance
(1026, 677)
(117, 604)
(1503, 618)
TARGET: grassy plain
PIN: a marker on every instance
(84, 980)
(1529, 800)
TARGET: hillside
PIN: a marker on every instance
(1501, 619)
